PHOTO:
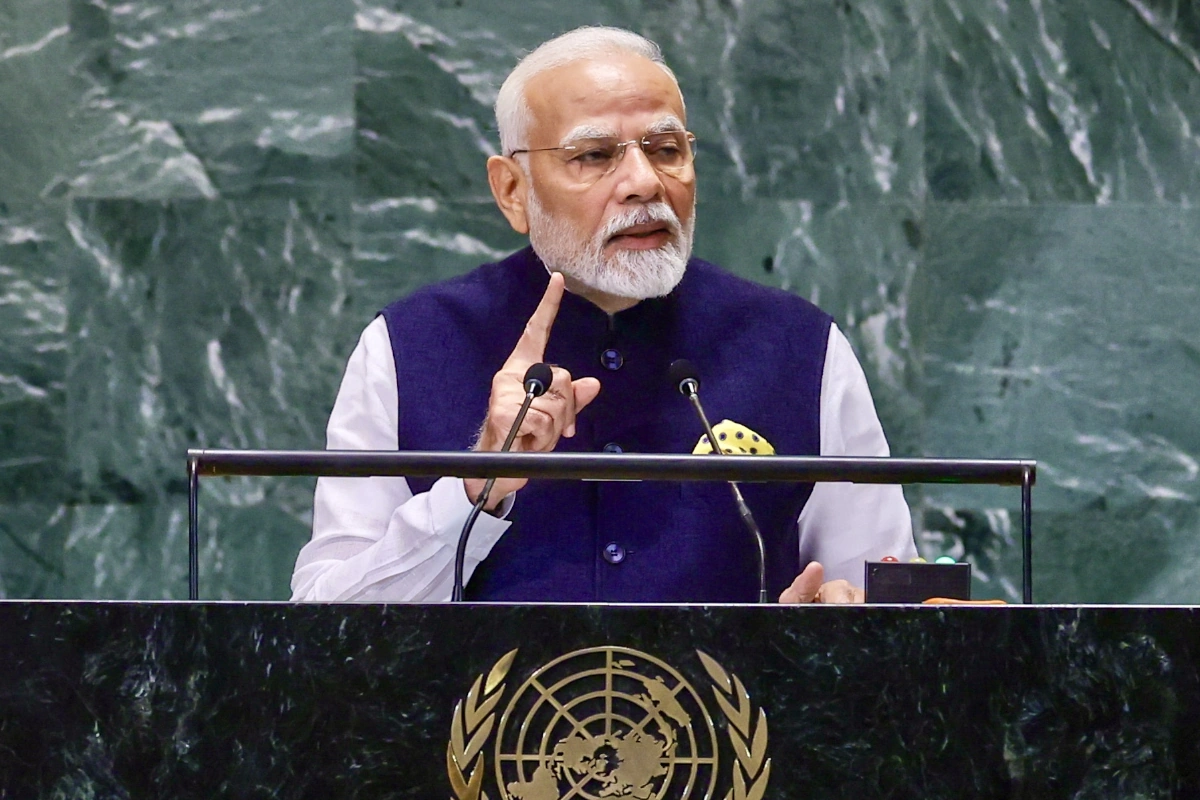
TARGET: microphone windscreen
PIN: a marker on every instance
(538, 379)
(682, 370)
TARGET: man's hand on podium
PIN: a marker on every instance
(550, 416)
(810, 587)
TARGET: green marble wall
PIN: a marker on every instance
(203, 201)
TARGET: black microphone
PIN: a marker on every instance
(537, 380)
(685, 377)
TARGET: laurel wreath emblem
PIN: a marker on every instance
(752, 769)
(473, 721)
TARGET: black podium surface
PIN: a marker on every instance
(178, 700)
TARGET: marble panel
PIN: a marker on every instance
(1086, 101)
(250, 533)
(198, 98)
(115, 552)
(404, 243)
(1067, 334)
(37, 95)
(122, 551)
(34, 259)
(33, 540)
(802, 100)
(212, 324)
(428, 74)
(198, 323)
(782, 107)
(1142, 553)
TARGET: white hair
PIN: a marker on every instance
(513, 115)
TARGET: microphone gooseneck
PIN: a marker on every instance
(537, 380)
(687, 380)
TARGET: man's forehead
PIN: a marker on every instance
(597, 94)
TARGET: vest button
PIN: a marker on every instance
(613, 447)
(611, 359)
(614, 553)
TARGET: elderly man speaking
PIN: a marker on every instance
(598, 168)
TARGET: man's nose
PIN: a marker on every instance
(637, 179)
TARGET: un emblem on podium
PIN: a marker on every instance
(606, 722)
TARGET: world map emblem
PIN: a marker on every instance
(607, 722)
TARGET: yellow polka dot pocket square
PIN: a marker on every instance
(735, 439)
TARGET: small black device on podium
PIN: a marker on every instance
(916, 581)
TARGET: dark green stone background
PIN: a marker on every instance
(202, 202)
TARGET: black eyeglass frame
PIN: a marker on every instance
(642, 142)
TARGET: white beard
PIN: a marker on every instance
(635, 274)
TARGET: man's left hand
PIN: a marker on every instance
(810, 587)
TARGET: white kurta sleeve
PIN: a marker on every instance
(372, 538)
(846, 524)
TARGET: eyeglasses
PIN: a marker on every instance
(589, 160)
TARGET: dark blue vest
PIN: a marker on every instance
(760, 353)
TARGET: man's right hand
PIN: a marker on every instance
(810, 587)
(550, 416)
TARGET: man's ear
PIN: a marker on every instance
(510, 187)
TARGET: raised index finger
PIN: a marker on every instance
(531, 347)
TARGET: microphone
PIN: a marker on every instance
(685, 377)
(537, 380)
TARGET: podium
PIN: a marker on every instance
(250, 700)
(543, 701)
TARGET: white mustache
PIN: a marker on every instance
(642, 215)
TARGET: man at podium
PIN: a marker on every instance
(598, 169)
